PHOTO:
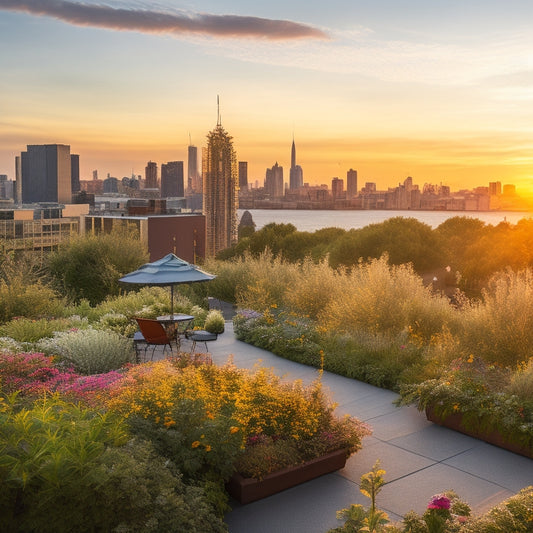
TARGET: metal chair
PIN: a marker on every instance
(201, 336)
(152, 334)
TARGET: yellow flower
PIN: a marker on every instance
(470, 358)
(208, 448)
(233, 429)
(195, 444)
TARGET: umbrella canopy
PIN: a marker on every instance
(169, 270)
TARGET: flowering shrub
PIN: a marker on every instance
(90, 351)
(479, 393)
(31, 375)
(215, 413)
(281, 332)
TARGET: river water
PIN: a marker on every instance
(312, 220)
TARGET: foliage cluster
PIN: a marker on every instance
(79, 470)
(485, 396)
(90, 351)
(89, 267)
(474, 249)
(445, 513)
(208, 416)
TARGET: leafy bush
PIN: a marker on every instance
(28, 330)
(90, 351)
(88, 267)
(512, 515)
(29, 300)
(214, 322)
(78, 472)
(476, 391)
(280, 332)
(118, 323)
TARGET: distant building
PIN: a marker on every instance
(274, 181)
(495, 188)
(183, 235)
(351, 183)
(45, 174)
(110, 185)
(40, 228)
(75, 173)
(337, 188)
(220, 198)
(193, 177)
(243, 175)
(172, 180)
(296, 175)
(150, 175)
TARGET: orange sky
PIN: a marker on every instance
(442, 93)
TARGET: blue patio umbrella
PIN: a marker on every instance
(169, 270)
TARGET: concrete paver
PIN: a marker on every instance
(421, 458)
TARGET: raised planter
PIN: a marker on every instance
(455, 421)
(246, 490)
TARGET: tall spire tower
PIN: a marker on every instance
(296, 177)
(220, 189)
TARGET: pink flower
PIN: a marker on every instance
(439, 501)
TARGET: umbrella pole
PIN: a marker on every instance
(172, 300)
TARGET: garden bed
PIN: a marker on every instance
(455, 421)
(246, 490)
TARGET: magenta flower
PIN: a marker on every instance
(439, 501)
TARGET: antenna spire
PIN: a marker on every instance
(218, 111)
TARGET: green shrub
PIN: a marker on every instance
(214, 322)
(90, 351)
(79, 472)
(89, 267)
(35, 300)
(27, 330)
(514, 514)
(118, 323)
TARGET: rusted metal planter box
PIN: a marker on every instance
(455, 421)
(246, 490)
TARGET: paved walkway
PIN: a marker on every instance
(421, 459)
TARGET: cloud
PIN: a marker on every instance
(149, 21)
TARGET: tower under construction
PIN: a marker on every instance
(219, 168)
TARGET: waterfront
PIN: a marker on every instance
(312, 220)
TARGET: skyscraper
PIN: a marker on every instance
(45, 174)
(274, 181)
(75, 173)
(150, 175)
(220, 190)
(172, 180)
(337, 188)
(296, 175)
(243, 175)
(351, 183)
(193, 183)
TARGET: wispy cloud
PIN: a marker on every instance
(152, 21)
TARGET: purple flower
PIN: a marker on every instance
(439, 501)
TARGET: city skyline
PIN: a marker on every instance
(438, 92)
